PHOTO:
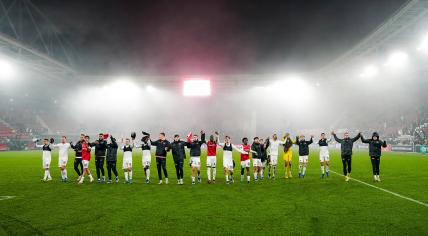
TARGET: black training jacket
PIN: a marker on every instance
(375, 146)
(162, 147)
(177, 150)
(77, 148)
(112, 151)
(303, 146)
(258, 150)
(100, 147)
(195, 147)
(346, 144)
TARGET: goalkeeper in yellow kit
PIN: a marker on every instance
(288, 154)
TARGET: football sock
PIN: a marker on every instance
(327, 168)
(300, 168)
(214, 172)
(130, 174)
(193, 179)
(255, 175)
(227, 178)
(126, 176)
(304, 170)
(209, 173)
(248, 178)
(322, 169)
(46, 174)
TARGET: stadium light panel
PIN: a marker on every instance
(397, 59)
(7, 70)
(369, 71)
(196, 87)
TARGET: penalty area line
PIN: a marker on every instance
(385, 190)
(6, 197)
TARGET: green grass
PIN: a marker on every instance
(310, 206)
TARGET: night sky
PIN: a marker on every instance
(212, 37)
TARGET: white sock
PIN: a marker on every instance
(300, 168)
(193, 179)
(227, 177)
(248, 178)
(49, 174)
(148, 174)
(255, 175)
(126, 176)
(304, 170)
(130, 174)
(261, 172)
(209, 173)
(65, 173)
(322, 169)
(46, 174)
(326, 168)
(81, 179)
(214, 172)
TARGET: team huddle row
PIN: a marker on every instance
(264, 154)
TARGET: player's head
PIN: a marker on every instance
(87, 138)
(195, 137)
(346, 134)
(212, 138)
(82, 137)
(227, 139)
(63, 139)
(127, 141)
(162, 136)
(101, 136)
(375, 136)
(274, 137)
(245, 140)
(287, 135)
(145, 139)
(45, 141)
(176, 137)
(256, 140)
(322, 135)
(302, 137)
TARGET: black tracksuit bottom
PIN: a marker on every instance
(347, 164)
(179, 168)
(111, 166)
(99, 164)
(375, 164)
(77, 162)
(161, 165)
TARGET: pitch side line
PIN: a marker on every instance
(385, 190)
(6, 197)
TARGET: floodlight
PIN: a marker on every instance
(7, 70)
(196, 87)
(397, 59)
(369, 71)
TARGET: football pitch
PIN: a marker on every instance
(310, 206)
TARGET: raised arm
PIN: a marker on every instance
(239, 149)
(364, 140)
(336, 138)
(384, 144)
(356, 137)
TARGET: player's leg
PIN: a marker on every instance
(165, 172)
(198, 169)
(248, 172)
(97, 168)
(76, 168)
(113, 167)
(345, 169)
(378, 168)
(242, 171)
(209, 169)
(103, 177)
(305, 163)
(349, 163)
(214, 168)
(177, 171)
(327, 165)
(322, 164)
(274, 161)
(300, 166)
(109, 172)
(226, 174)
(159, 168)
(373, 161)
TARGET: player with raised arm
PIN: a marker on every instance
(127, 147)
(257, 155)
(212, 157)
(324, 155)
(100, 156)
(303, 153)
(63, 148)
(162, 147)
(346, 145)
(288, 155)
(47, 156)
(245, 159)
(86, 158)
(375, 151)
(146, 158)
(195, 155)
(228, 148)
(78, 156)
(111, 159)
(178, 154)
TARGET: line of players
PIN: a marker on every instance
(264, 153)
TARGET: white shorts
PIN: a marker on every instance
(147, 158)
(62, 162)
(127, 163)
(257, 162)
(273, 160)
(85, 164)
(324, 158)
(303, 159)
(46, 162)
(228, 163)
(196, 162)
(245, 164)
(211, 161)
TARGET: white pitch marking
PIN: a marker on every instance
(387, 191)
(6, 197)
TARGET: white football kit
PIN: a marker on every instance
(46, 157)
(62, 153)
(273, 150)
